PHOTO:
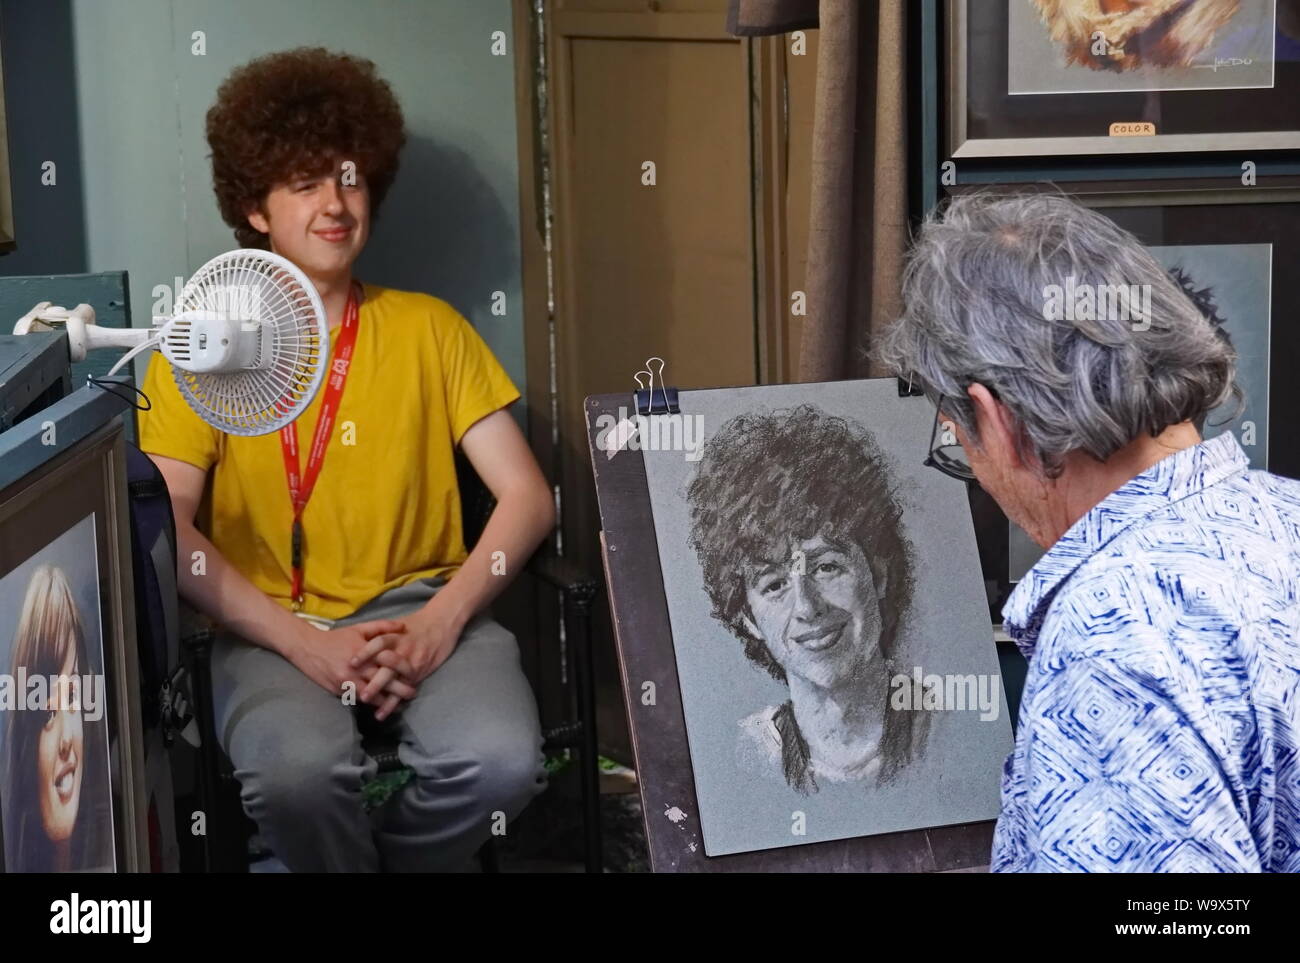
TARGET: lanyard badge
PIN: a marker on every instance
(300, 487)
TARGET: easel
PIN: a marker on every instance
(643, 635)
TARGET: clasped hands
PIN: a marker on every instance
(385, 659)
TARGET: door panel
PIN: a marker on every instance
(644, 269)
(696, 268)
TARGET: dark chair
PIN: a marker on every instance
(225, 846)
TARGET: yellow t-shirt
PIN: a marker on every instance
(386, 508)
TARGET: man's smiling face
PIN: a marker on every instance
(822, 624)
(319, 222)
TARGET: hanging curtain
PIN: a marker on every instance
(858, 212)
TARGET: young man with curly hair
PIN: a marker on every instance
(383, 601)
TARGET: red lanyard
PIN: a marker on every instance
(300, 488)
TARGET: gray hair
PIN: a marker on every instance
(976, 309)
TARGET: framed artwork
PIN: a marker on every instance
(1078, 77)
(7, 240)
(828, 628)
(1232, 285)
(1231, 250)
(71, 762)
(55, 801)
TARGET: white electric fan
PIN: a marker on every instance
(248, 340)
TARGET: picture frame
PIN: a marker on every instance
(1218, 216)
(1206, 212)
(8, 241)
(82, 478)
(985, 119)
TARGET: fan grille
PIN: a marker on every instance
(250, 284)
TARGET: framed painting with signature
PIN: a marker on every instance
(1080, 77)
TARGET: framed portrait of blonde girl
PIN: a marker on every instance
(71, 759)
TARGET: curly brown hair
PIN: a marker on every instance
(295, 114)
(772, 478)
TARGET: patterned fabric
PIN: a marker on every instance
(1159, 722)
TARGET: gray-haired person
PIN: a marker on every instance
(1159, 722)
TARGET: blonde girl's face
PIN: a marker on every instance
(60, 757)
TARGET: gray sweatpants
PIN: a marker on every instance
(471, 735)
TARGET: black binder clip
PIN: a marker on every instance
(906, 389)
(651, 400)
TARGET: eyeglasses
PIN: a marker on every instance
(944, 452)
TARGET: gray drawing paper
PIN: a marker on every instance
(823, 589)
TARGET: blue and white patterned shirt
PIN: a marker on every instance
(1160, 717)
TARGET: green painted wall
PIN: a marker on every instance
(134, 187)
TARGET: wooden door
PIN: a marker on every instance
(668, 157)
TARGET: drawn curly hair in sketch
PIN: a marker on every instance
(778, 485)
(1203, 298)
(1134, 33)
(1207, 304)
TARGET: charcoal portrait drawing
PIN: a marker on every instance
(796, 525)
(820, 581)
